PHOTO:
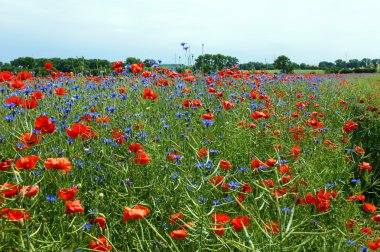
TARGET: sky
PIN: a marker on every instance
(305, 31)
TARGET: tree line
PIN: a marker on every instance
(207, 63)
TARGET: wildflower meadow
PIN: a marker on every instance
(148, 159)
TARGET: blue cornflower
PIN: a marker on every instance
(202, 199)
(216, 202)
(87, 226)
(51, 198)
(228, 199)
(208, 122)
(355, 180)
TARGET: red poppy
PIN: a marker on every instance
(27, 162)
(6, 76)
(269, 183)
(202, 152)
(219, 230)
(16, 100)
(149, 94)
(73, 207)
(178, 234)
(15, 215)
(216, 180)
(365, 166)
(256, 163)
(284, 169)
(366, 230)
(29, 191)
(67, 193)
(103, 119)
(30, 139)
(274, 227)
(239, 222)
(186, 103)
(38, 95)
(24, 76)
(100, 220)
(117, 64)
(225, 164)
(136, 68)
(227, 105)
(135, 147)
(258, 115)
(358, 197)
(118, 136)
(60, 91)
(137, 212)
(270, 162)
(209, 116)
(100, 244)
(220, 218)
(196, 103)
(48, 65)
(78, 129)
(141, 158)
(62, 164)
(369, 208)
(17, 84)
(350, 126)
(376, 218)
(174, 217)
(29, 104)
(359, 150)
(350, 224)
(5, 165)
(9, 190)
(43, 124)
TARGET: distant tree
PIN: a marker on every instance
(214, 62)
(132, 60)
(325, 65)
(353, 63)
(340, 63)
(149, 62)
(365, 62)
(26, 62)
(375, 62)
(284, 64)
(303, 66)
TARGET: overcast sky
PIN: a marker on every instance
(305, 31)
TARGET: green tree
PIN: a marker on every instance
(284, 64)
(132, 60)
(214, 62)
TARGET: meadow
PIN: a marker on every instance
(154, 160)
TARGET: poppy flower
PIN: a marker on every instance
(186, 103)
(100, 244)
(350, 224)
(366, 230)
(5, 165)
(269, 183)
(376, 218)
(6, 76)
(196, 103)
(270, 162)
(78, 129)
(103, 119)
(174, 217)
(117, 64)
(216, 180)
(225, 164)
(141, 158)
(273, 227)
(220, 218)
(359, 150)
(178, 234)
(29, 104)
(29, 191)
(48, 65)
(67, 193)
(256, 163)
(27, 162)
(118, 136)
(16, 100)
(149, 94)
(202, 152)
(62, 164)
(9, 190)
(219, 230)
(38, 95)
(369, 208)
(239, 222)
(24, 76)
(350, 126)
(17, 84)
(209, 116)
(73, 207)
(358, 197)
(365, 166)
(15, 215)
(60, 91)
(100, 220)
(227, 105)
(135, 147)
(284, 169)
(30, 139)
(136, 68)
(137, 212)
(43, 124)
